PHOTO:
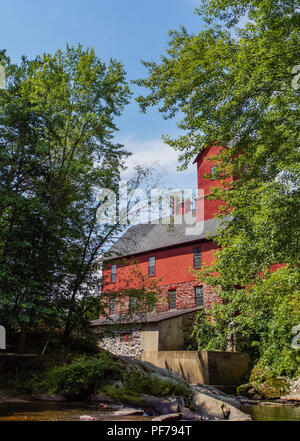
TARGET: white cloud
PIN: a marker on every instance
(149, 151)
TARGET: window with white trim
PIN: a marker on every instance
(151, 267)
(132, 303)
(112, 307)
(197, 257)
(113, 277)
(213, 172)
(172, 299)
(199, 295)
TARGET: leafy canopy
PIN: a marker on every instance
(234, 84)
(57, 122)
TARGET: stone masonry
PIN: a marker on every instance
(110, 339)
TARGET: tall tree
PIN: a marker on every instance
(57, 121)
(235, 83)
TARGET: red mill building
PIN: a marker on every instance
(168, 255)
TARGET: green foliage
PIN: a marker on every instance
(57, 120)
(135, 285)
(149, 384)
(235, 86)
(30, 375)
(99, 374)
(267, 311)
(208, 336)
(84, 377)
(264, 384)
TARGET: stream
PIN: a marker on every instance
(71, 411)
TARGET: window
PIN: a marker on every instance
(172, 299)
(132, 303)
(199, 295)
(112, 307)
(213, 171)
(128, 336)
(197, 257)
(113, 278)
(151, 269)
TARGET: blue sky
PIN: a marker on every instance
(128, 30)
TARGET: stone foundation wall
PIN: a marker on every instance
(110, 340)
(185, 296)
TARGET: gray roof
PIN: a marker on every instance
(150, 317)
(146, 237)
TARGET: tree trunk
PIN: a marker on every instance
(21, 345)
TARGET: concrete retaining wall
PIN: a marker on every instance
(216, 368)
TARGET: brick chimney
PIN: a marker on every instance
(180, 207)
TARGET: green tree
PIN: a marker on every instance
(57, 121)
(235, 84)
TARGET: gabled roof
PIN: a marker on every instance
(150, 317)
(147, 237)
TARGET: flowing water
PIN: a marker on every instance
(57, 411)
(263, 412)
(69, 411)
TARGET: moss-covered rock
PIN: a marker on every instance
(272, 389)
(264, 385)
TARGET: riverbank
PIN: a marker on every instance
(108, 381)
(103, 381)
(14, 408)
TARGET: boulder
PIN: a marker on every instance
(160, 406)
(217, 408)
(168, 417)
(146, 366)
(291, 397)
(215, 393)
(294, 394)
(187, 414)
(88, 418)
(105, 399)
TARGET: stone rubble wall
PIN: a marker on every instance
(110, 341)
(185, 296)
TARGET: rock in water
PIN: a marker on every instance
(168, 417)
(128, 411)
(188, 414)
(294, 394)
(213, 407)
(88, 418)
(160, 406)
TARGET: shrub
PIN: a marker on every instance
(85, 376)
(207, 335)
(101, 373)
